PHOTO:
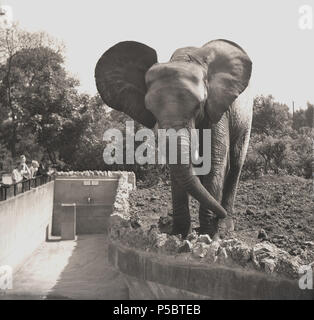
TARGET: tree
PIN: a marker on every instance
(309, 115)
(43, 99)
(41, 110)
(270, 117)
(14, 44)
(299, 119)
(274, 152)
(85, 131)
(304, 118)
(302, 153)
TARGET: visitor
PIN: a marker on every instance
(16, 175)
(34, 168)
(23, 168)
(42, 170)
(50, 168)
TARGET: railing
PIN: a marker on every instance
(12, 190)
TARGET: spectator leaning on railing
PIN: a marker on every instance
(23, 168)
(34, 168)
(23, 178)
(16, 175)
(21, 171)
(42, 170)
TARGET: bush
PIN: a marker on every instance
(291, 155)
(253, 166)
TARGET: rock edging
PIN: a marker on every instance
(148, 270)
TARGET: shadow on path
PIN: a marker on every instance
(69, 270)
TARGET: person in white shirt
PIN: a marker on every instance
(16, 176)
(34, 168)
(23, 168)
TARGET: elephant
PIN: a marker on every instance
(204, 87)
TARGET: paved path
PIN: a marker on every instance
(69, 270)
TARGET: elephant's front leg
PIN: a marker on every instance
(240, 129)
(237, 157)
(214, 181)
(181, 212)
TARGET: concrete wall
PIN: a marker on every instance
(154, 276)
(91, 216)
(24, 221)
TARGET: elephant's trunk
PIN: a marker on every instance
(183, 174)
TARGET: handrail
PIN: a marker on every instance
(11, 190)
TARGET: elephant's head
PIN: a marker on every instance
(195, 83)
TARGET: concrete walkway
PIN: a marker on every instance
(69, 270)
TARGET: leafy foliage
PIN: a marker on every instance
(270, 117)
(41, 109)
(280, 142)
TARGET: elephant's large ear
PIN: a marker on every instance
(228, 72)
(120, 79)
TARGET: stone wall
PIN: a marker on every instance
(156, 276)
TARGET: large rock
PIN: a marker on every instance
(157, 240)
(269, 258)
(186, 247)
(213, 251)
(192, 237)
(238, 250)
(268, 264)
(200, 250)
(172, 244)
(205, 238)
(207, 251)
(222, 256)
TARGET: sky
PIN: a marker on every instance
(269, 31)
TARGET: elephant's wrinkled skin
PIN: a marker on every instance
(204, 88)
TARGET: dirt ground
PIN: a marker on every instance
(280, 205)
